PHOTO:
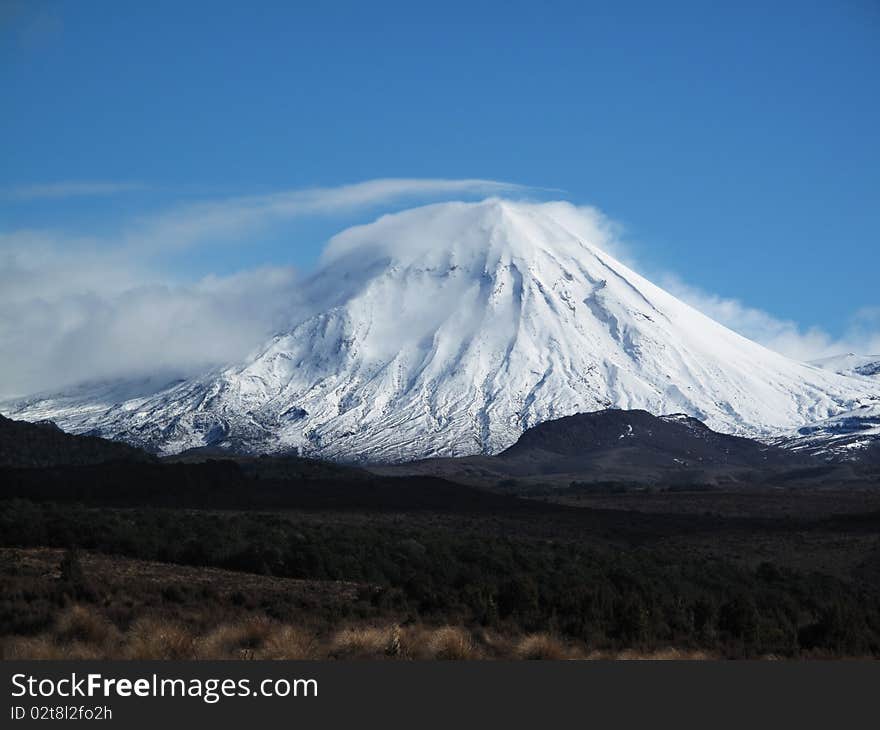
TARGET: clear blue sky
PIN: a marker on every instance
(738, 145)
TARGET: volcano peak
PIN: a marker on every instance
(449, 329)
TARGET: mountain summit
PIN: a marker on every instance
(450, 329)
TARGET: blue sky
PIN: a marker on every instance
(738, 146)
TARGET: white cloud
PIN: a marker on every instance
(72, 315)
(70, 189)
(74, 308)
(77, 308)
(225, 219)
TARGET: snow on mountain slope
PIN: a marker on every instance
(88, 400)
(449, 329)
(853, 435)
(850, 364)
(845, 437)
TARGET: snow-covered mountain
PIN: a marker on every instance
(853, 435)
(850, 364)
(850, 436)
(449, 329)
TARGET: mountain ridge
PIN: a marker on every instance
(630, 447)
(450, 329)
(850, 364)
(43, 444)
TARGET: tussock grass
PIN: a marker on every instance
(48, 648)
(368, 642)
(290, 642)
(241, 641)
(667, 654)
(541, 646)
(30, 647)
(79, 624)
(152, 639)
(81, 634)
(452, 643)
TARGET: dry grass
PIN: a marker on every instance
(36, 647)
(541, 646)
(289, 642)
(151, 639)
(257, 638)
(361, 643)
(78, 633)
(47, 648)
(452, 643)
(668, 654)
(240, 641)
(81, 624)
(81, 633)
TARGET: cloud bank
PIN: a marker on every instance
(71, 316)
(76, 308)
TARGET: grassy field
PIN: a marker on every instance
(497, 579)
(137, 609)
